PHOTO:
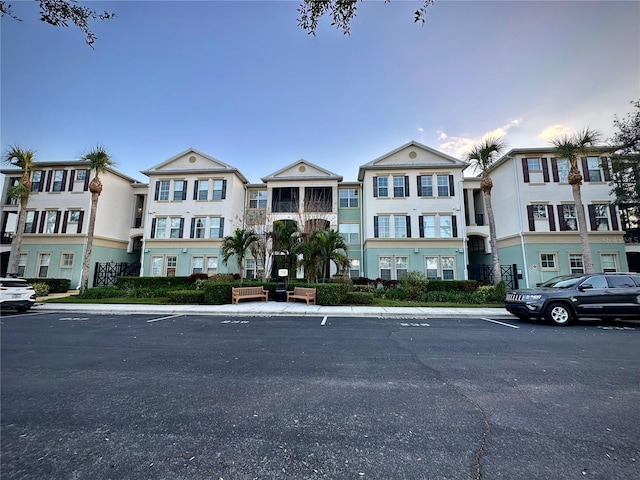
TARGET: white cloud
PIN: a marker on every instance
(459, 146)
(553, 131)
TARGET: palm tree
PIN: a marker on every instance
(483, 155)
(99, 162)
(238, 245)
(324, 246)
(24, 159)
(572, 147)
(286, 240)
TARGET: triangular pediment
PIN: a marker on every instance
(412, 155)
(190, 160)
(302, 170)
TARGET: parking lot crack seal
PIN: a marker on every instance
(476, 405)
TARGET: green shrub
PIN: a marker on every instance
(413, 284)
(397, 293)
(42, 289)
(56, 285)
(217, 293)
(364, 288)
(186, 296)
(358, 298)
(345, 282)
(102, 292)
(152, 282)
(452, 285)
(224, 278)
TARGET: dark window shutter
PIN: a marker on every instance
(193, 227)
(525, 170)
(65, 218)
(406, 186)
(419, 184)
(181, 227)
(421, 226)
(552, 218)
(153, 228)
(545, 169)
(72, 178)
(532, 221)
(221, 235)
(408, 218)
(375, 227)
(585, 170)
(452, 191)
(195, 190)
(49, 175)
(42, 181)
(224, 190)
(561, 221)
(554, 170)
(184, 189)
(56, 227)
(43, 219)
(34, 225)
(592, 217)
(604, 163)
(64, 179)
(375, 186)
(454, 225)
(157, 194)
(614, 217)
(80, 220)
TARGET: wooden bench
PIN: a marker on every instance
(303, 293)
(240, 293)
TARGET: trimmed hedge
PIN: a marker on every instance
(56, 285)
(186, 296)
(358, 298)
(152, 282)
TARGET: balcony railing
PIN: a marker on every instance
(285, 206)
(7, 238)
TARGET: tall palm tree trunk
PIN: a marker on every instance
(582, 229)
(16, 244)
(493, 241)
(86, 263)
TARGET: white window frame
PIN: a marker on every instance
(178, 190)
(432, 229)
(399, 226)
(258, 199)
(545, 258)
(161, 227)
(194, 259)
(28, 221)
(22, 264)
(601, 213)
(564, 166)
(350, 232)
(349, 196)
(383, 187)
(212, 264)
(445, 267)
(448, 267)
(81, 175)
(443, 186)
(37, 177)
(595, 169)
(534, 164)
(213, 220)
(385, 263)
(44, 261)
(200, 228)
(445, 226)
(164, 191)
(576, 263)
(171, 265)
(57, 183)
(50, 221)
(157, 265)
(400, 266)
(398, 186)
(387, 227)
(174, 229)
(216, 192)
(66, 268)
(426, 185)
(203, 189)
(567, 210)
(539, 211)
(608, 267)
(354, 268)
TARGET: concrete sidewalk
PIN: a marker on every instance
(277, 309)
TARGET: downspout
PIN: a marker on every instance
(520, 233)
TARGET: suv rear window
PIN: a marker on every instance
(14, 283)
(621, 281)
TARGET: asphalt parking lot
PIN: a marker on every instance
(214, 397)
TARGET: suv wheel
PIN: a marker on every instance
(23, 309)
(558, 314)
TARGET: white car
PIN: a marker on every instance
(16, 293)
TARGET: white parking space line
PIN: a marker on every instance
(20, 315)
(164, 318)
(499, 323)
(324, 321)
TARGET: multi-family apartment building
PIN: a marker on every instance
(57, 218)
(411, 209)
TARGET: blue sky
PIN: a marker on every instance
(243, 83)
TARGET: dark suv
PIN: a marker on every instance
(564, 299)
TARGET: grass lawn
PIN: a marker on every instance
(377, 302)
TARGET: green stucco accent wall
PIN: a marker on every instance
(416, 260)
